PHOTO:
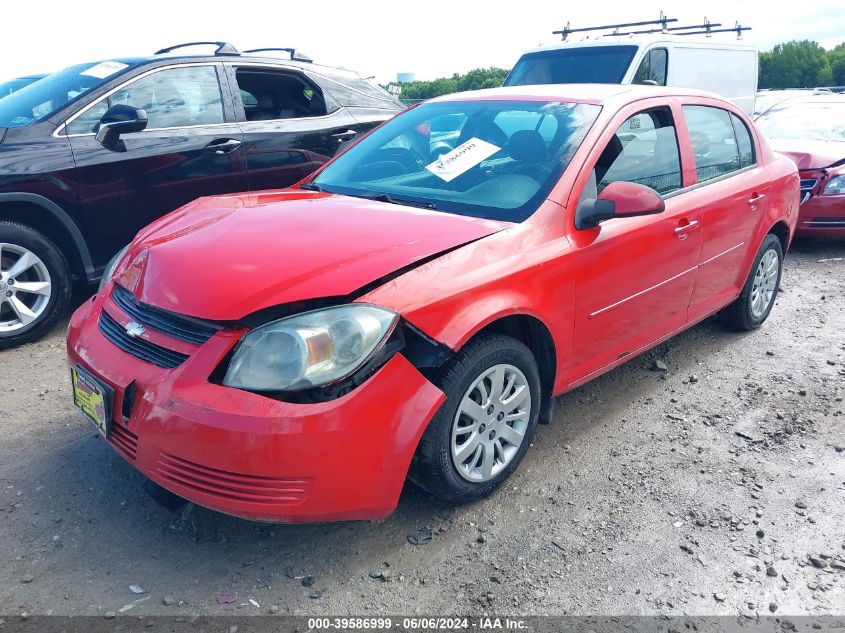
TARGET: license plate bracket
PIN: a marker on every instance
(94, 398)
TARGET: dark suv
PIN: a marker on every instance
(92, 153)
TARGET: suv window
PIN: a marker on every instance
(269, 95)
(713, 141)
(652, 68)
(643, 150)
(174, 97)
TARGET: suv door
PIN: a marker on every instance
(634, 276)
(732, 192)
(290, 125)
(189, 148)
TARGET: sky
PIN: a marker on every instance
(431, 38)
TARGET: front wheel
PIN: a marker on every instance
(758, 295)
(483, 430)
(35, 284)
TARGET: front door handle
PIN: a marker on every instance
(348, 135)
(223, 145)
(682, 232)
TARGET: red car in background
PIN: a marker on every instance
(811, 131)
(410, 311)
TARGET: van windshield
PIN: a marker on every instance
(577, 65)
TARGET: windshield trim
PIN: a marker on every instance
(59, 131)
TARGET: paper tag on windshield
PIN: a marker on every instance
(463, 158)
(104, 69)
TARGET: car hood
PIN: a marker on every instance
(811, 154)
(225, 257)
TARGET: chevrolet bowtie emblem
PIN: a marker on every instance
(134, 329)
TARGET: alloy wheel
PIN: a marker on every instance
(25, 287)
(765, 283)
(491, 422)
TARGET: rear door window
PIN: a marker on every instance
(271, 95)
(714, 142)
(747, 155)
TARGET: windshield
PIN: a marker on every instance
(13, 85)
(582, 65)
(487, 159)
(815, 120)
(39, 100)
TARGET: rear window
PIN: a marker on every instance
(585, 64)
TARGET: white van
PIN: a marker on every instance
(727, 68)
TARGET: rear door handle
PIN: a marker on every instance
(753, 200)
(223, 145)
(682, 232)
(345, 136)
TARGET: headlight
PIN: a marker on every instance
(309, 350)
(109, 270)
(835, 186)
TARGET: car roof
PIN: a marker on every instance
(243, 58)
(599, 94)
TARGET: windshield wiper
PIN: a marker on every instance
(383, 197)
(310, 186)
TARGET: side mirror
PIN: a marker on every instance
(618, 200)
(120, 119)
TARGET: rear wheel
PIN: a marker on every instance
(35, 284)
(758, 295)
(483, 430)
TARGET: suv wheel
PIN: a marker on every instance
(483, 430)
(35, 284)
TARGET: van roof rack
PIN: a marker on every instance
(223, 48)
(663, 21)
(295, 55)
(691, 29)
(708, 25)
(706, 28)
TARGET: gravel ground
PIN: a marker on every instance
(714, 487)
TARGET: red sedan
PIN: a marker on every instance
(296, 355)
(811, 131)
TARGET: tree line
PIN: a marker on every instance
(795, 64)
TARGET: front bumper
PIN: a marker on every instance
(251, 456)
(821, 216)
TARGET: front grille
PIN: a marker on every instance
(233, 486)
(181, 327)
(808, 184)
(124, 441)
(138, 347)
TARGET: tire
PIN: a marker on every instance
(44, 305)
(437, 467)
(745, 313)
